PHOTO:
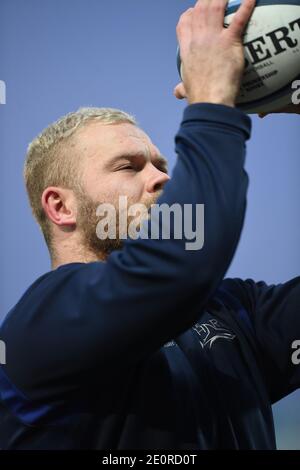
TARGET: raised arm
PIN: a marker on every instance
(110, 316)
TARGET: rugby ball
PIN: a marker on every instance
(272, 55)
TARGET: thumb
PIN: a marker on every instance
(179, 91)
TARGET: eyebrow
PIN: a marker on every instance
(158, 160)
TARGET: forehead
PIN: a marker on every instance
(107, 140)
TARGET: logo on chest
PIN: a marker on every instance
(212, 331)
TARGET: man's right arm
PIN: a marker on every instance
(110, 316)
(114, 314)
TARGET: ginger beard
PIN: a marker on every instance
(87, 221)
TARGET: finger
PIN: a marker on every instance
(184, 25)
(179, 91)
(201, 14)
(218, 10)
(210, 13)
(290, 109)
(185, 18)
(201, 2)
(241, 18)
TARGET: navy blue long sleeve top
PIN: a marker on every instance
(154, 349)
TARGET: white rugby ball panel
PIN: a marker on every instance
(272, 54)
(272, 51)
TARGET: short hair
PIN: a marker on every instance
(51, 159)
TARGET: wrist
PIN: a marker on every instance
(211, 100)
(217, 95)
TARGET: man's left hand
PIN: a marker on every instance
(290, 109)
(180, 93)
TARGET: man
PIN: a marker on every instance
(140, 343)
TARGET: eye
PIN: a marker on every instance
(127, 167)
(162, 168)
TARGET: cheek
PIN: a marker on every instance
(114, 186)
(128, 186)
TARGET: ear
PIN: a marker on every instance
(59, 205)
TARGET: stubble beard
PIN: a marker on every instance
(87, 221)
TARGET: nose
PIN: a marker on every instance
(156, 180)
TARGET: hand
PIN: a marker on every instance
(212, 56)
(180, 93)
(290, 109)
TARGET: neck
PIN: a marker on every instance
(75, 256)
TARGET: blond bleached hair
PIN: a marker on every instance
(51, 158)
